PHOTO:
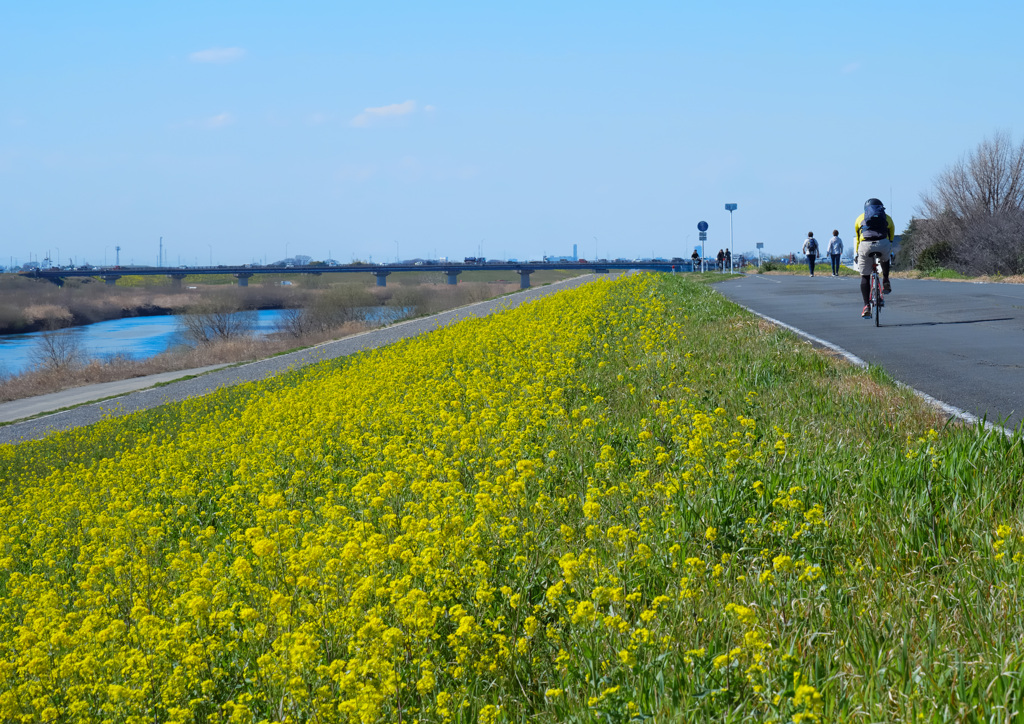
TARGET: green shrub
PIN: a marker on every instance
(935, 256)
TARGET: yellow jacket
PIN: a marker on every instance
(860, 220)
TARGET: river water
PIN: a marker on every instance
(138, 337)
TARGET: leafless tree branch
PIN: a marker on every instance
(973, 218)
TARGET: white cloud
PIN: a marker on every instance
(370, 116)
(217, 55)
(218, 121)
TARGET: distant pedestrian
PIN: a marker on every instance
(721, 259)
(728, 259)
(811, 250)
(835, 250)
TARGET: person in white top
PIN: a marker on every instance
(835, 250)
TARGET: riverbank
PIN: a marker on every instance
(55, 378)
(152, 391)
(33, 305)
(315, 315)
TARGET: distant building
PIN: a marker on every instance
(574, 257)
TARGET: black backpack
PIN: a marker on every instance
(812, 246)
(875, 225)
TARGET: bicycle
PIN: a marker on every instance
(876, 300)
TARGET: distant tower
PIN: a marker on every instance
(117, 256)
(575, 256)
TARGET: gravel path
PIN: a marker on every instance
(38, 428)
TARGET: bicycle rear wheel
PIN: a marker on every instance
(876, 297)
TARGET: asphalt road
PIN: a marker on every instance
(959, 342)
(144, 399)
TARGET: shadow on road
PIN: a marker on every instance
(962, 321)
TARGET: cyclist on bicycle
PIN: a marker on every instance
(874, 232)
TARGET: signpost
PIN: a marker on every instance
(730, 208)
(702, 227)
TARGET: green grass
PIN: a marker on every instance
(942, 273)
(801, 269)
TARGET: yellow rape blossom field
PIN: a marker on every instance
(628, 502)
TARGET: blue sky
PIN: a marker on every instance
(247, 131)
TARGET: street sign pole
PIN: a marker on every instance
(702, 227)
(732, 251)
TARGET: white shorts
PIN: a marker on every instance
(865, 264)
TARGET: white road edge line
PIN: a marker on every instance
(950, 410)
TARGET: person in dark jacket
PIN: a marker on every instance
(811, 250)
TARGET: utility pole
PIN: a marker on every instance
(160, 259)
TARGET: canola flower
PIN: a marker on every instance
(524, 516)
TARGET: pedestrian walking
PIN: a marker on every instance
(721, 259)
(728, 259)
(835, 250)
(811, 250)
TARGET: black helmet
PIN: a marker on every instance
(873, 202)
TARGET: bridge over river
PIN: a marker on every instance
(381, 271)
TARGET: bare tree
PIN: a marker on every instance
(293, 321)
(974, 217)
(215, 321)
(328, 311)
(57, 351)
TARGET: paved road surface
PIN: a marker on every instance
(960, 342)
(153, 396)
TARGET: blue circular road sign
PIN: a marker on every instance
(702, 226)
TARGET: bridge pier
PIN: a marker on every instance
(110, 279)
(176, 280)
(524, 277)
(453, 276)
(382, 278)
(243, 278)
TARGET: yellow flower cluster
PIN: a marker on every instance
(404, 534)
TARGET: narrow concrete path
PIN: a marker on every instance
(132, 399)
(41, 404)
